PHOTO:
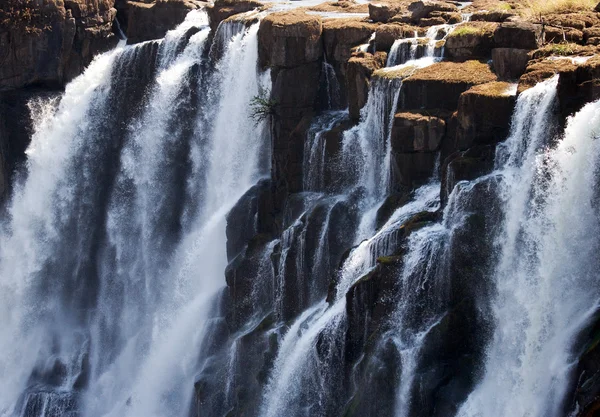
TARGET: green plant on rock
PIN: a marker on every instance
(262, 108)
(562, 49)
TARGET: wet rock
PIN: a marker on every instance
(475, 39)
(358, 73)
(290, 43)
(146, 21)
(416, 132)
(484, 114)
(465, 166)
(51, 41)
(578, 86)
(289, 39)
(585, 381)
(243, 221)
(510, 63)
(340, 36)
(390, 205)
(445, 376)
(439, 86)
(222, 9)
(519, 35)
(412, 169)
(16, 128)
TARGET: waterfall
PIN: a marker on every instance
(149, 267)
(547, 268)
(110, 266)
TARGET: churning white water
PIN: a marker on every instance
(547, 273)
(149, 280)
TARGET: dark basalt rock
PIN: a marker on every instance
(465, 166)
(146, 21)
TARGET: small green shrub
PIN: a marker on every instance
(262, 108)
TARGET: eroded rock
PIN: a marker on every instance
(439, 86)
(358, 73)
(469, 40)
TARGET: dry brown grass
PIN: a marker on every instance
(537, 8)
(469, 72)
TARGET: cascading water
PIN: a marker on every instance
(546, 274)
(103, 307)
(112, 300)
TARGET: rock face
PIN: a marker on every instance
(146, 21)
(510, 63)
(222, 9)
(50, 42)
(415, 139)
(358, 73)
(519, 35)
(340, 36)
(440, 85)
(471, 40)
(291, 44)
(484, 114)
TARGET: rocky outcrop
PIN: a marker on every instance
(519, 35)
(386, 34)
(340, 36)
(358, 73)
(50, 42)
(145, 21)
(415, 139)
(440, 85)
(471, 40)
(484, 114)
(291, 45)
(510, 63)
(222, 9)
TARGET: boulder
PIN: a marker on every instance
(491, 16)
(341, 34)
(416, 132)
(509, 63)
(578, 86)
(384, 11)
(341, 6)
(439, 86)
(222, 9)
(146, 21)
(50, 42)
(358, 73)
(484, 114)
(519, 35)
(422, 9)
(541, 69)
(387, 34)
(289, 39)
(559, 35)
(474, 39)
(432, 21)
